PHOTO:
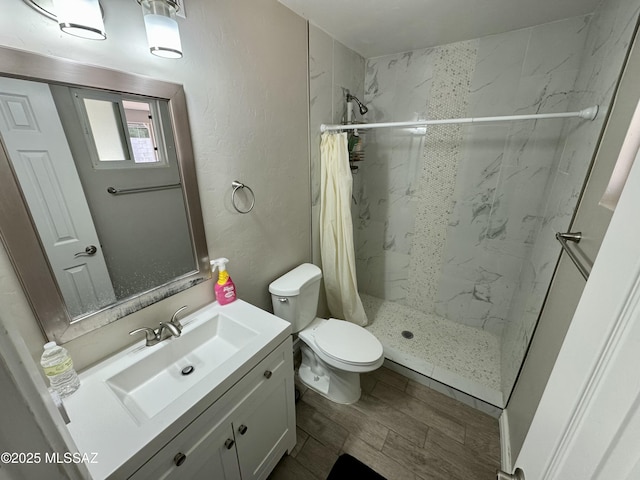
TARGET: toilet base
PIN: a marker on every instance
(336, 385)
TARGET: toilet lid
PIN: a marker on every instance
(347, 342)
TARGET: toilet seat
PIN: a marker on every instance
(347, 342)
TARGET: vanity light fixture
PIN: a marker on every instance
(84, 18)
(81, 18)
(162, 28)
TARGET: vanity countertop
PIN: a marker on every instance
(101, 423)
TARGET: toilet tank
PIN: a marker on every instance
(295, 295)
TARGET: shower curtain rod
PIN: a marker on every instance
(588, 113)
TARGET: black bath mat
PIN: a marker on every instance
(349, 468)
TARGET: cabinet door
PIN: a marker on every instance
(200, 452)
(264, 423)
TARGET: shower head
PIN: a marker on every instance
(362, 108)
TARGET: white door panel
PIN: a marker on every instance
(587, 426)
(41, 158)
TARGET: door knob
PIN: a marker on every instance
(242, 429)
(179, 459)
(90, 250)
(267, 374)
(229, 444)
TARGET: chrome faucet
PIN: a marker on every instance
(174, 319)
(172, 328)
(166, 330)
(151, 335)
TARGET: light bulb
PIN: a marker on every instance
(162, 28)
(81, 18)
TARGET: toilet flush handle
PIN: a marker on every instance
(283, 299)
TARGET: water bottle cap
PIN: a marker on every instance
(50, 345)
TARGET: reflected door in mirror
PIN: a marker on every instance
(42, 161)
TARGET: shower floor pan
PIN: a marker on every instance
(462, 357)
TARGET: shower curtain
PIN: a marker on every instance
(336, 231)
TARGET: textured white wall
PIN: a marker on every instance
(244, 72)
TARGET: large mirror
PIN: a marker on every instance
(99, 206)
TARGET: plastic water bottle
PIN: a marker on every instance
(58, 367)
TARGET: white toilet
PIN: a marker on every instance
(334, 352)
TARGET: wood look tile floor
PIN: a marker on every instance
(401, 429)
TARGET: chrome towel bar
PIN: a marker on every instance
(575, 237)
(125, 191)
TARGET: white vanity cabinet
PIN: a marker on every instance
(241, 436)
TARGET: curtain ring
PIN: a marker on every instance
(237, 186)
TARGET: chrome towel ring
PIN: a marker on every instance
(237, 186)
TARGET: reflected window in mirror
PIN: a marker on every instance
(106, 130)
(121, 129)
(141, 131)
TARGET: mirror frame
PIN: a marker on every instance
(17, 230)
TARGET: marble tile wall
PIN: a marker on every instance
(502, 179)
(516, 183)
(333, 68)
(493, 202)
(454, 67)
(609, 34)
(397, 87)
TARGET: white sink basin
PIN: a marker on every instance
(147, 387)
(136, 400)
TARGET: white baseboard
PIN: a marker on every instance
(505, 442)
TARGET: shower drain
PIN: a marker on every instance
(407, 334)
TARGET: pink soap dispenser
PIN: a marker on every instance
(224, 288)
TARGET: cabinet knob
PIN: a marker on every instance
(229, 444)
(268, 374)
(242, 429)
(179, 458)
